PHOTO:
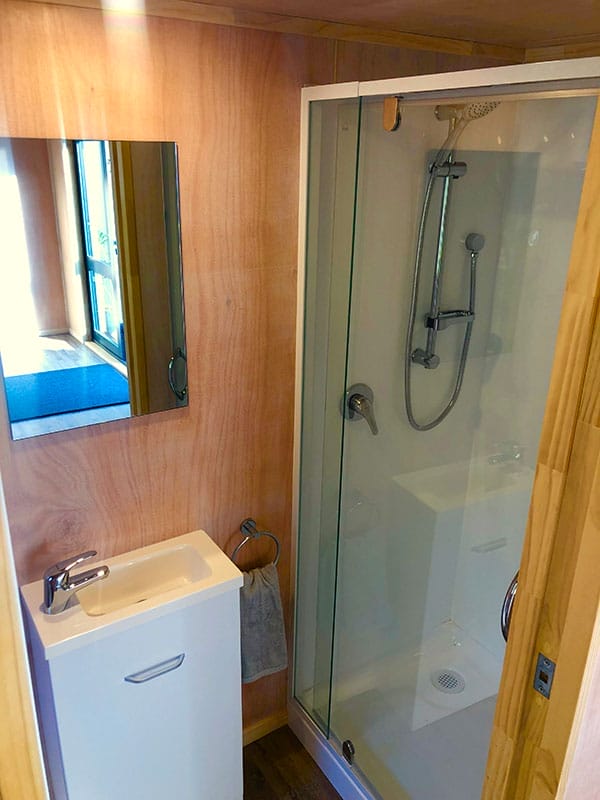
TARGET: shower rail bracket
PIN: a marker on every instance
(425, 358)
(449, 169)
(445, 318)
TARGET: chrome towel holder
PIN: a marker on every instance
(249, 531)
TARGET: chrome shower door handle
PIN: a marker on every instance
(359, 403)
(507, 606)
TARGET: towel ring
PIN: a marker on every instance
(249, 530)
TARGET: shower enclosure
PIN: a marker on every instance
(435, 260)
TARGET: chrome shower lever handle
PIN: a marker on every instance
(362, 406)
(359, 402)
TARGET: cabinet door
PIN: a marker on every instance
(170, 730)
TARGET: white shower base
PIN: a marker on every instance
(413, 740)
(444, 760)
(448, 647)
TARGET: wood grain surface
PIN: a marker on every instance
(584, 49)
(230, 98)
(580, 777)
(277, 767)
(537, 30)
(21, 771)
(553, 730)
(31, 165)
(379, 33)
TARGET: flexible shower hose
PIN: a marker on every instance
(427, 426)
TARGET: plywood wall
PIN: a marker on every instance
(21, 773)
(32, 166)
(230, 98)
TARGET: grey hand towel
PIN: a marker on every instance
(264, 649)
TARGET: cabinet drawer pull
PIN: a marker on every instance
(156, 670)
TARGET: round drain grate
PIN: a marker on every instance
(448, 681)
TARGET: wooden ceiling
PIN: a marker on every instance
(530, 23)
(530, 30)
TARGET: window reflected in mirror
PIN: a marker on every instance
(91, 294)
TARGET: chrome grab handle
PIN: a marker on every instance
(157, 669)
(180, 394)
(507, 606)
(358, 401)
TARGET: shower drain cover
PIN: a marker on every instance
(448, 681)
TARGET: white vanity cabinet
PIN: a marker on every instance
(148, 705)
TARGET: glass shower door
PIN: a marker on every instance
(334, 129)
(431, 523)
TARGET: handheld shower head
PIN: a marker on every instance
(448, 113)
(467, 112)
(459, 117)
(478, 110)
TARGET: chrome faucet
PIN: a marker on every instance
(60, 587)
(509, 451)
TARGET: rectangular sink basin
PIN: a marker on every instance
(142, 578)
(142, 585)
(465, 483)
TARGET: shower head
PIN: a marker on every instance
(465, 113)
(458, 118)
(478, 110)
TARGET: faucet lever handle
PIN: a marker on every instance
(358, 402)
(69, 563)
(363, 406)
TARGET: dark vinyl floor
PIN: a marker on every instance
(277, 767)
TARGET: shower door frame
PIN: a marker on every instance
(557, 609)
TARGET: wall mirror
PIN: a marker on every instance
(91, 294)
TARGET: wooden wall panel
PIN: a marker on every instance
(560, 52)
(275, 21)
(558, 733)
(368, 62)
(230, 98)
(32, 167)
(21, 771)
